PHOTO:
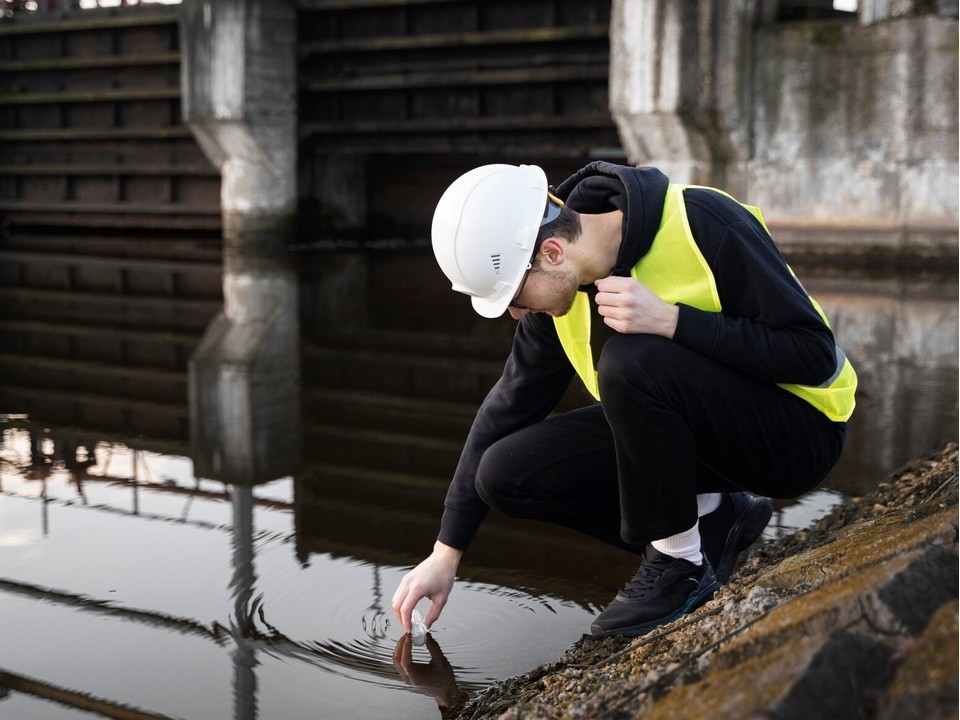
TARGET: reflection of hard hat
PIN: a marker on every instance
(484, 230)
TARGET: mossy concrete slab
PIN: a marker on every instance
(745, 690)
(864, 545)
(814, 615)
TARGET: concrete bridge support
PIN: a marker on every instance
(679, 86)
(843, 129)
(239, 100)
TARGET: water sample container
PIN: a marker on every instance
(418, 631)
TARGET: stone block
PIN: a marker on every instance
(925, 686)
(915, 594)
(847, 668)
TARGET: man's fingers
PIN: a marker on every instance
(616, 299)
(434, 612)
(406, 610)
(605, 298)
(403, 607)
(607, 284)
(614, 284)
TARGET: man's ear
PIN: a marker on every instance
(552, 251)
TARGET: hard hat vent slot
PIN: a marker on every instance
(496, 263)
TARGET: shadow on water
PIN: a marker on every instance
(250, 574)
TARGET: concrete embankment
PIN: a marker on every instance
(855, 617)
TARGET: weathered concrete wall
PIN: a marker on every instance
(239, 89)
(830, 126)
(679, 85)
(857, 123)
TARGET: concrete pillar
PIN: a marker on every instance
(680, 86)
(239, 99)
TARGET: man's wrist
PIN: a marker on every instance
(670, 320)
(447, 553)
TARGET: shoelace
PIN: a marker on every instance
(644, 578)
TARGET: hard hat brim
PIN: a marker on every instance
(496, 306)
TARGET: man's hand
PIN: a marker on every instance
(629, 306)
(433, 579)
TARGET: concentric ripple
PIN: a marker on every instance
(336, 615)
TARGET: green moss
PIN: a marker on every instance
(828, 32)
(863, 545)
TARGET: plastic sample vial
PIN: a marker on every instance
(417, 630)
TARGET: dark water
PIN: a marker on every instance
(125, 580)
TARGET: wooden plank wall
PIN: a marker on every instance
(90, 131)
(411, 94)
(110, 250)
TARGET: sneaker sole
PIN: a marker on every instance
(695, 601)
(748, 527)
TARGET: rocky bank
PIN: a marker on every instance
(855, 617)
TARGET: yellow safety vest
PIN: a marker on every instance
(676, 271)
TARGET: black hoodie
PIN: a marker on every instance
(767, 328)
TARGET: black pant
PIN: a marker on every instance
(672, 423)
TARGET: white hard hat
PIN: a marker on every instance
(484, 230)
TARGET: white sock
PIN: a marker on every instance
(685, 545)
(707, 503)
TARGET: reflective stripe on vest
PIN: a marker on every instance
(677, 272)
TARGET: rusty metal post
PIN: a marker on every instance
(239, 99)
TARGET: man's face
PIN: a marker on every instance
(550, 291)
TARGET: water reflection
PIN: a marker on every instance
(435, 678)
(291, 625)
(316, 618)
(902, 334)
(229, 579)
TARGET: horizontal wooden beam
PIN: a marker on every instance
(111, 208)
(111, 169)
(117, 263)
(81, 367)
(75, 299)
(88, 62)
(459, 125)
(90, 96)
(105, 134)
(524, 36)
(367, 4)
(93, 21)
(461, 78)
(123, 222)
(39, 327)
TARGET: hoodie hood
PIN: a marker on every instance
(637, 192)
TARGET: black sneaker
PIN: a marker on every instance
(732, 528)
(662, 589)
